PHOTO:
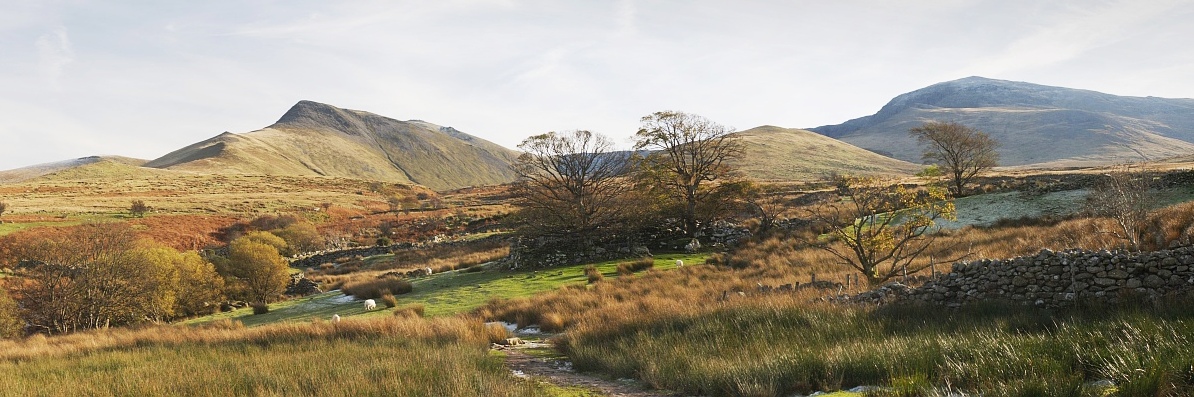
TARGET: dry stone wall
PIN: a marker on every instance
(1056, 279)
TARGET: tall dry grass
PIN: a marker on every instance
(776, 346)
(386, 356)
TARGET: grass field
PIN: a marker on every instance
(442, 294)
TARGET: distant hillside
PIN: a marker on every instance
(318, 139)
(1036, 124)
(36, 171)
(783, 154)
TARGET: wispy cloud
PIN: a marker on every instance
(1072, 32)
(54, 54)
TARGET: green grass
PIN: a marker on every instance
(442, 294)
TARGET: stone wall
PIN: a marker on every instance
(1061, 278)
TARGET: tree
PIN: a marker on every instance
(1123, 195)
(138, 208)
(961, 151)
(299, 237)
(690, 153)
(879, 229)
(11, 324)
(3, 207)
(254, 268)
(92, 278)
(200, 288)
(570, 182)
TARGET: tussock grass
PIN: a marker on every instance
(628, 268)
(773, 346)
(377, 287)
(390, 356)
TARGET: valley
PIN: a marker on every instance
(339, 252)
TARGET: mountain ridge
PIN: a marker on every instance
(312, 138)
(1037, 124)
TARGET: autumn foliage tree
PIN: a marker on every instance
(11, 325)
(98, 275)
(961, 152)
(3, 207)
(254, 270)
(689, 156)
(880, 229)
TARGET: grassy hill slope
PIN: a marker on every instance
(35, 171)
(318, 139)
(783, 154)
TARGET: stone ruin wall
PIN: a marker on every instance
(1056, 279)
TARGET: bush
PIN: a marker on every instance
(415, 310)
(628, 268)
(374, 289)
(260, 308)
(593, 274)
(389, 300)
(384, 242)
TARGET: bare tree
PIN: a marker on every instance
(690, 153)
(571, 182)
(961, 151)
(1123, 195)
(879, 229)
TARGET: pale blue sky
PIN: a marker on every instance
(141, 78)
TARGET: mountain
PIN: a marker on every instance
(1036, 124)
(40, 170)
(782, 154)
(317, 139)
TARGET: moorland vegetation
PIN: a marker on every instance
(768, 313)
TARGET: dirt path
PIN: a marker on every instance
(560, 373)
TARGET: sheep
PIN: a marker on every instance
(335, 319)
(370, 304)
(679, 263)
(429, 271)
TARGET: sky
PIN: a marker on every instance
(143, 78)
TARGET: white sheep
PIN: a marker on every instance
(679, 263)
(370, 304)
(429, 271)
(335, 319)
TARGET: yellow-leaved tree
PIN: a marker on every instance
(880, 229)
(254, 270)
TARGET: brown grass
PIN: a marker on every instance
(377, 287)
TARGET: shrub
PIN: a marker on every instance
(384, 242)
(389, 300)
(376, 288)
(593, 274)
(415, 310)
(260, 308)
